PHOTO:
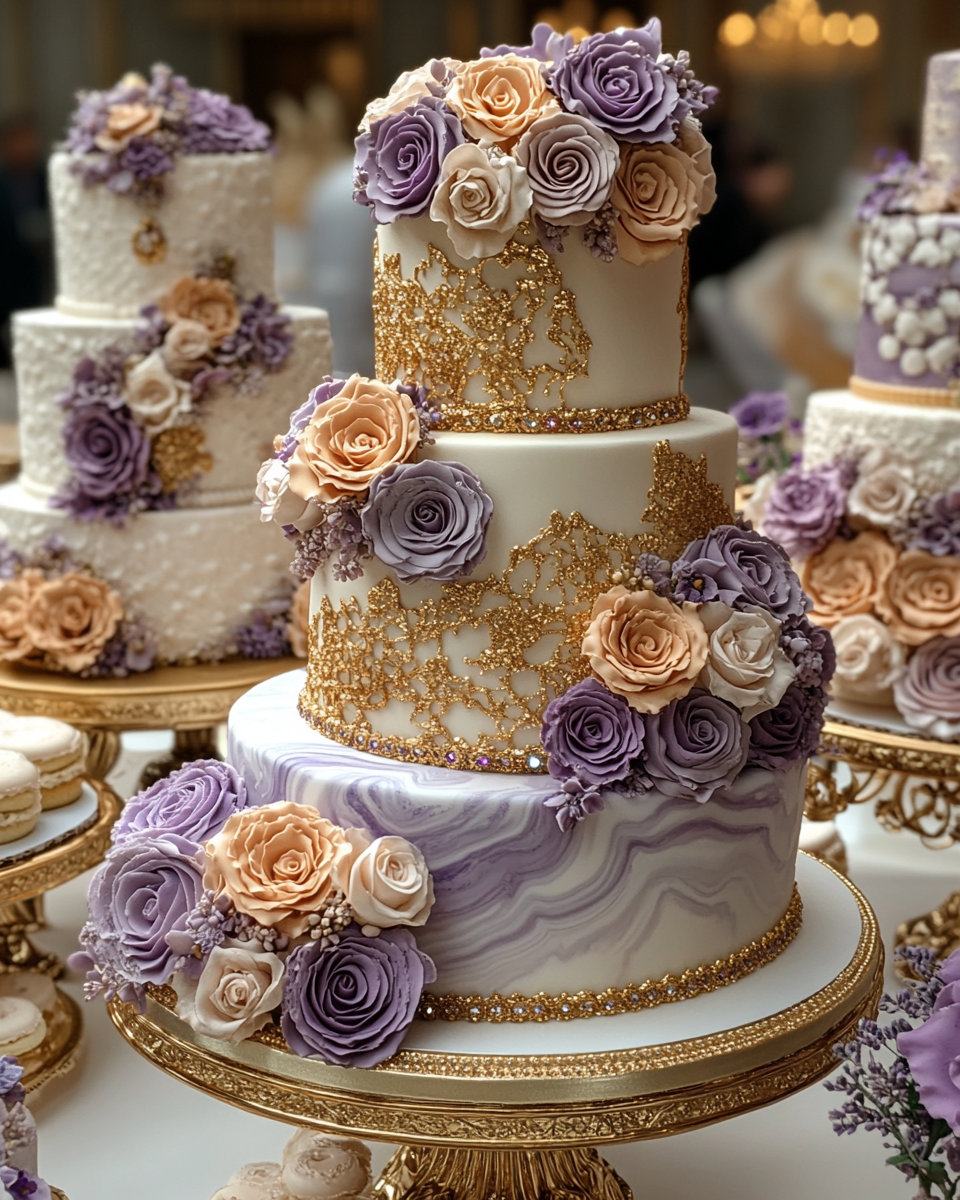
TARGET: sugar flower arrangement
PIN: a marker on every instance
(700, 669)
(344, 485)
(769, 439)
(132, 439)
(129, 137)
(18, 1138)
(900, 1080)
(900, 185)
(258, 916)
(880, 559)
(601, 137)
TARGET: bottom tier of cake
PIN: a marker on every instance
(191, 576)
(650, 886)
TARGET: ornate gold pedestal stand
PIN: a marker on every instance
(191, 701)
(475, 1124)
(23, 882)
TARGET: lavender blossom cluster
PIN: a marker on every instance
(769, 438)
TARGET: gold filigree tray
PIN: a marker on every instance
(519, 1100)
(57, 1053)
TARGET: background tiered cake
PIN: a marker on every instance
(149, 394)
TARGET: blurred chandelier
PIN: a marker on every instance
(795, 37)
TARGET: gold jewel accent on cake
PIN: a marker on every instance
(891, 393)
(466, 327)
(632, 998)
(177, 455)
(149, 242)
(364, 657)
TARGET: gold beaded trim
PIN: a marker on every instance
(633, 998)
(445, 326)
(918, 397)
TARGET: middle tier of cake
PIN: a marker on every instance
(652, 885)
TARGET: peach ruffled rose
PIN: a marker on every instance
(276, 864)
(659, 194)
(920, 599)
(72, 618)
(846, 577)
(211, 302)
(16, 599)
(644, 647)
(127, 121)
(298, 627)
(351, 438)
(499, 98)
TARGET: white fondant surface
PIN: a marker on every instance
(213, 204)
(649, 886)
(840, 423)
(53, 825)
(238, 429)
(630, 313)
(192, 575)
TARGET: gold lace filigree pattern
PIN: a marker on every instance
(465, 326)
(366, 655)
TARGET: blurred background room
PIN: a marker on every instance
(808, 96)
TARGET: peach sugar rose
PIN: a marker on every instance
(847, 577)
(276, 864)
(127, 121)
(211, 302)
(16, 597)
(351, 438)
(920, 599)
(499, 98)
(644, 647)
(72, 618)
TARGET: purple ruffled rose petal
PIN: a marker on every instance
(937, 528)
(695, 745)
(264, 337)
(761, 414)
(192, 802)
(571, 167)
(97, 380)
(615, 80)
(428, 520)
(811, 650)
(788, 732)
(546, 45)
(591, 733)
(932, 1051)
(215, 125)
(352, 1003)
(743, 569)
(300, 418)
(927, 695)
(805, 508)
(144, 159)
(106, 450)
(399, 160)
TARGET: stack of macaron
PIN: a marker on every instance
(22, 1026)
(56, 749)
(19, 796)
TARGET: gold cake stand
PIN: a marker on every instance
(22, 885)
(526, 1126)
(192, 701)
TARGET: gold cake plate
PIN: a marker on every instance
(23, 882)
(190, 700)
(516, 1111)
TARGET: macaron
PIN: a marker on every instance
(22, 1027)
(255, 1181)
(39, 989)
(19, 796)
(58, 751)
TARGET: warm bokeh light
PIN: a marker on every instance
(864, 30)
(773, 23)
(836, 29)
(616, 18)
(738, 29)
(811, 29)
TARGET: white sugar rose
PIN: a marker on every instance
(481, 198)
(755, 508)
(255, 1181)
(235, 994)
(884, 491)
(869, 659)
(278, 503)
(185, 344)
(408, 88)
(319, 1167)
(745, 664)
(154, 397)
(386, 881)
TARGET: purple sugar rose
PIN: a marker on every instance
(571, 167)
(546, 45)
(788, 732)
(938, 526)
(933, 1048)
(399, 160)
(615, 80)
(746, 569)
(761, 414)
(192, 802)
(264, 336)
(143, 890)
(300, 418)
(591, 733)
(695, 745)
(107, 451)
(427, 520)
(805, 509)
(351, 1004)
(215, 125)
(927, 695)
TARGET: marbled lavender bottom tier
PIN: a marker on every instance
(650, 886)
